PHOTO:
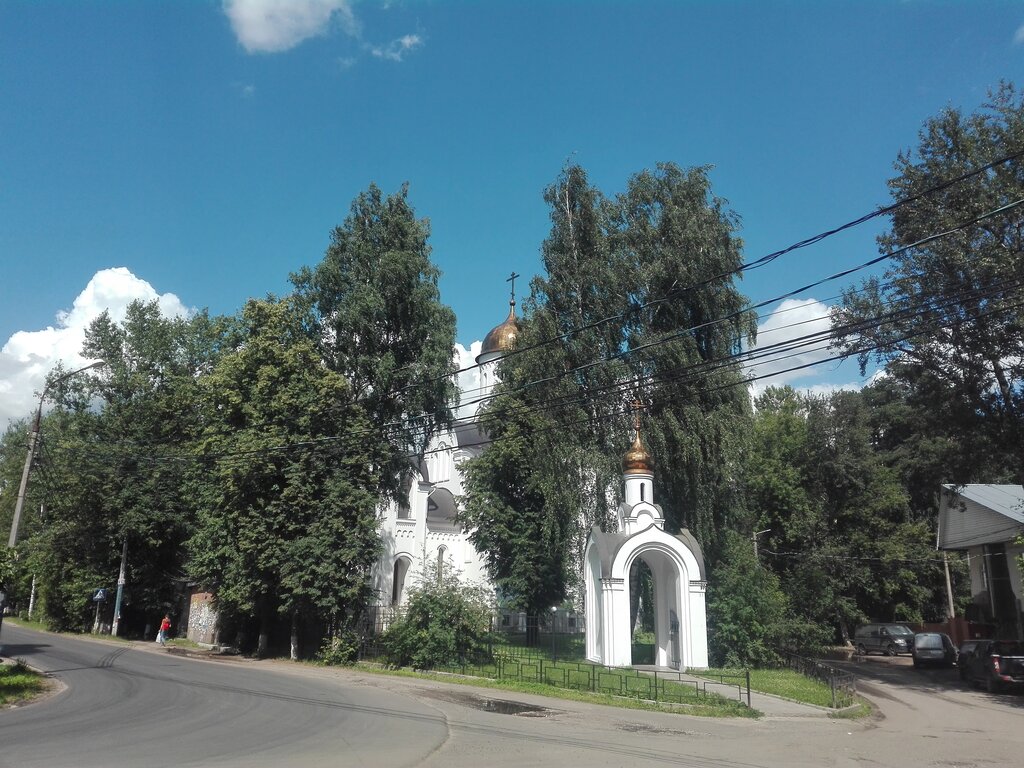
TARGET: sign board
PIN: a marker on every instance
(99, 596)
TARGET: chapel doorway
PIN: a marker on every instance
(641, 612)
(655, 594)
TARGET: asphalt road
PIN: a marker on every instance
(134, 707)
(140, 706)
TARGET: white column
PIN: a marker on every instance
(698, 626)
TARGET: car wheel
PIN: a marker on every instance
(890, 650)
(993, 686)
(861, 650)
(917, 664)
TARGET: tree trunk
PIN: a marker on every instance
(263, 643)
(295, 636)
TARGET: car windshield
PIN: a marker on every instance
(928, 641)
(899, 631)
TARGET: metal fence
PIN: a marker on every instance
(650, 685)
(842, 685)
(550, 650)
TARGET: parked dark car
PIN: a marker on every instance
(997, 664)
(890, 639)
(965, 653)
(933, 649)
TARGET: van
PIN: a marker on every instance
(890, 639)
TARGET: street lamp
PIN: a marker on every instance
(32, 441)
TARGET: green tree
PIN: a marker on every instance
(287, 494)
(749, 616)
(676, 239)
(520, 517)
(841, 535)
(377, 314)
(955, 329)
(613, 318)
(531, 498)
(97, 473)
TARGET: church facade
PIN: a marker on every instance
(424, 531)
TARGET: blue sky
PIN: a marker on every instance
(208, 149)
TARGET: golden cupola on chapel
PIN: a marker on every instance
(638, 460)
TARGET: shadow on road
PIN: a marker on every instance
(900, 671)
(16, 650)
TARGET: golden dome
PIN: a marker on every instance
(503, 337)
(637, 461)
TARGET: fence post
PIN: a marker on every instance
(748, 690)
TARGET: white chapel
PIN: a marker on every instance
(676, 563)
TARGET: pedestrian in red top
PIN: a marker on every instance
(165, 627)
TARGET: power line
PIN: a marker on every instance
(760, 262)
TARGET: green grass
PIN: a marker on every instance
(26, 623)
(713, 706)
(19, 683)
(786, 683)
(594, 680)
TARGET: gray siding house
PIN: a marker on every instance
(984, 521)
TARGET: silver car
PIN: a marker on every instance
(933, 649)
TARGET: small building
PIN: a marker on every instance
(984, 521)
(677, 567)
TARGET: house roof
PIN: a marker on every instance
(979, 513)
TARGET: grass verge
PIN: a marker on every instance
(787, 683)
(19, 683)
(709, 706)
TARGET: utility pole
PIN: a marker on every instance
(949, 588)
(120, 588)
(33, 442)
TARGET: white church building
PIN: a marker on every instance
(425, 530)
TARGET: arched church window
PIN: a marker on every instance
(642, 487)
(404, 500)
(441, 551)
(398, 580)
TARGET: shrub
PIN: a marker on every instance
(445, 622)
(340, 650)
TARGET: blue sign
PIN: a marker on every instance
(99, 596)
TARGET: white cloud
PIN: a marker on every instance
(397, 48)
(791, 320)
(28, 356)
(1018, 36)
(272, 26)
